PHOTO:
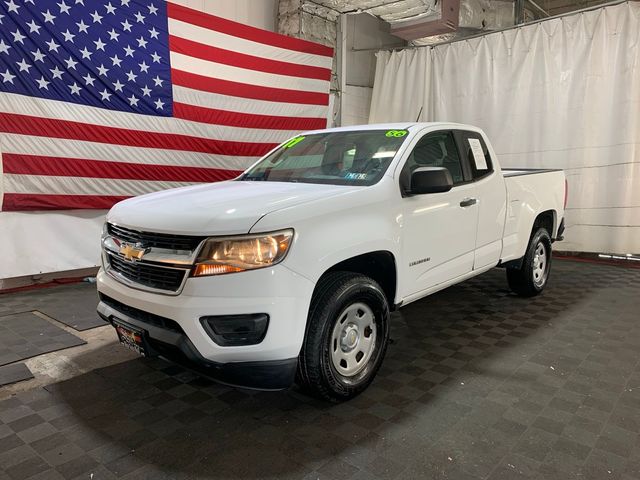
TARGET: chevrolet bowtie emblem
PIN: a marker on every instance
(132, 252)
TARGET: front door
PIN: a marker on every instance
(439, 229)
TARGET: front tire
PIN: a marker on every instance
(346, 338)
(530, 279)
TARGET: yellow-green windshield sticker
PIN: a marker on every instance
(293, 142)
(396, 133)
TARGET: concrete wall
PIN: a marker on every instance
(257, 13)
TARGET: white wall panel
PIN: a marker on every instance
(257, 13)
(356, 103)
(40, 242)
(364, 34)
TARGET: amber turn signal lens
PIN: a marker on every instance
(204, 269)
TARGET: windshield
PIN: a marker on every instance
(336, 158)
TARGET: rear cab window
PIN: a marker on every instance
(475, 152)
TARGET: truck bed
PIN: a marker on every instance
(529, 191)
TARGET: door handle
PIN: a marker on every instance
(467, 202)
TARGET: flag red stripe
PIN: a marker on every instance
(246, 90)
(77, 167)
(246, 120)
(15, 202)
(211, 22)
(242, 60)
(46, 127)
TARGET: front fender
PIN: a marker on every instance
(335, 229)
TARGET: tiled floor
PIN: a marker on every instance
(55, 302)
(477, 384)
(25, 335)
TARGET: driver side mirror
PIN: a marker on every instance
(430, 180)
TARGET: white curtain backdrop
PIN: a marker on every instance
(563, 93)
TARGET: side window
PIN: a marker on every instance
(436, 149)
(477, 154)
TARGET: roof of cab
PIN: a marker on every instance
(393, 126)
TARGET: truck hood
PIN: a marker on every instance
(223, 208)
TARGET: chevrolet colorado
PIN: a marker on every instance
(288, 272)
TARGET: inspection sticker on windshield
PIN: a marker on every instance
(478, 154)
(356, 176)
(293, 142)
(396, 133)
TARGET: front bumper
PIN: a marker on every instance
(277, 291)
(164, 339)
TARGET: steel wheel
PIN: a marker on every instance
(346, 338)
(540, 263)
(353, 339)
(532, 276)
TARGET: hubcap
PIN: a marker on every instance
(353, 339)
(540, 265)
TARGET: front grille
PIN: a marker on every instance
(154, 240)
(141, 315)
(148, 275)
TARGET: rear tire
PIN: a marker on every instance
(530, 279)
(346, 338)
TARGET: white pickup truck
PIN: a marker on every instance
(288, 272)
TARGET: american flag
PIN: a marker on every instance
(103, 100)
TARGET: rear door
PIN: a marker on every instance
(491, 193)
(438, 229)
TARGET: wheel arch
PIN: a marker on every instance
(547, 220)
(380, 265)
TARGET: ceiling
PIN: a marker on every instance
(391, 11)
(475, 15)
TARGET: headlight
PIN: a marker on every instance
(236, 254)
